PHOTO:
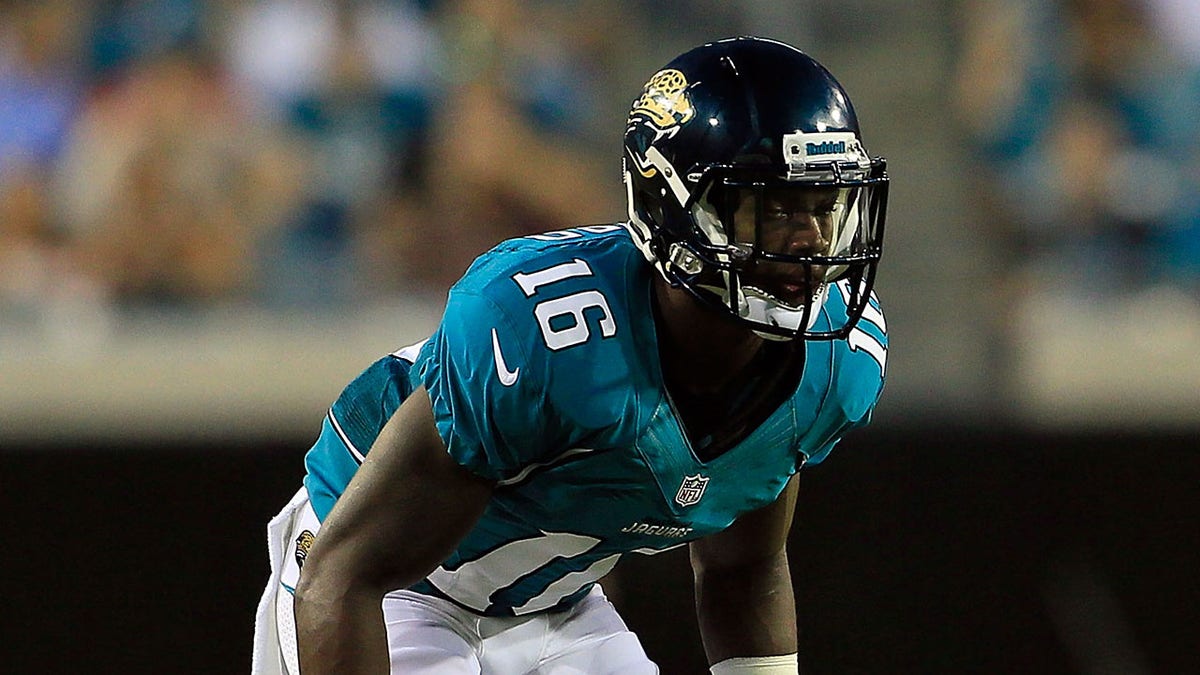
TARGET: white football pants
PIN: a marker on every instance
(431, 635)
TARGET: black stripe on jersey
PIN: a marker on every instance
(337, 428)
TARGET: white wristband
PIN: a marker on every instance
(788, 664)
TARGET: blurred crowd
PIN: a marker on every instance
(289, 153)
(305, 153)
(1084, 121)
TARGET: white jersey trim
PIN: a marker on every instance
(537, 465)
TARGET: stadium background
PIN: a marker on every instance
(213, 214)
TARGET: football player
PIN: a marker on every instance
(607, 390)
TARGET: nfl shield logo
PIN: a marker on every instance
(691, 490)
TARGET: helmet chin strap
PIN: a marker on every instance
(758, 307)
(761, 308)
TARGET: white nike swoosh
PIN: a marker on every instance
(507, 377)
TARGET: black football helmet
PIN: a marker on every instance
(748, 185)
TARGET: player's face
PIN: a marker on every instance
(794, 222)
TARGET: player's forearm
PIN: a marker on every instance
(747, 610)
(340, 629)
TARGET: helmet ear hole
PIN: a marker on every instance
(652, 209)
(656, 213)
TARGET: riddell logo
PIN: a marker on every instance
(826, 148)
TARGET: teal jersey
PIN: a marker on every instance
(544, 377)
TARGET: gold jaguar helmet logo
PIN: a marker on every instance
(664, 101)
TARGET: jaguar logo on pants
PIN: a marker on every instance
(303, 543)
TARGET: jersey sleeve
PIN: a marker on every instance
(488, 400)
(857, 373)
(350, 427)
